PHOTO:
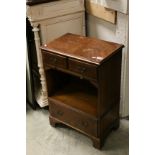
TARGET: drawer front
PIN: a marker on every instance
(74, 118)
(85, 70)
(54, 60)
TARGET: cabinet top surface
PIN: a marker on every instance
(83, 48)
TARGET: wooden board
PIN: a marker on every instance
(101, 12)
(118, 5)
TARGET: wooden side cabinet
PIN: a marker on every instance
(83, 80)
(51, 20)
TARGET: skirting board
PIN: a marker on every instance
(101, 12)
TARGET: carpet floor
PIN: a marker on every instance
(43, 139)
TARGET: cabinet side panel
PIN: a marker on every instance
(109, 81)
(109, 121)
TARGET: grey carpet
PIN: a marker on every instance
(42, 139)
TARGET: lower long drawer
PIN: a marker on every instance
(73, 117)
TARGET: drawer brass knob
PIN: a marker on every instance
(60, 113)
(84, 123)
(83, 70)
(54, 60)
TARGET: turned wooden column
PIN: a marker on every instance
(43, 98)
(48, 17)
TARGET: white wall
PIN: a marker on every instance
(117, 33)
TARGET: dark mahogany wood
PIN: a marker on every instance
(34, 2)
(54, 60)
(84, 69)
(84, 84)
(73, 117)
(83, 48)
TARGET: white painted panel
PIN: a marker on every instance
(54, 9)
(118, 5)
(58, 29)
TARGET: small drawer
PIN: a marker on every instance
(85, 70)
(54, 60)
(72, 117)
